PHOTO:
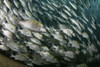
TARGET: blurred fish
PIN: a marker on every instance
(7, 3)
(23, 3)
(34, 40)
(69, 54)
(2, 47)
(21, 57)
(10, 27)
(26, 32)
(33, 46)
(16, 3)
(38, 35)
(8, 34)
(82, 65)
(13, 46)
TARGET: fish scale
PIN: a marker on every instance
(60, 32)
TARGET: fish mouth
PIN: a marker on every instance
(42, 29)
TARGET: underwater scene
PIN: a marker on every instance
(50, 33)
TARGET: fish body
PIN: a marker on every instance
(32, 25)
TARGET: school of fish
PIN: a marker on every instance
(44, 32)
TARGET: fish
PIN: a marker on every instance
(47, 56)
(21, 57)
(8, 34)
(10, 27)
(14, 19)
(2, 47)
(37, 35)
(33, 46)
(85, 35)
(15, 11)
(34, 40)
(23, 3)
(7, 3)
(73, 5)
(26, 32)
(58, 36)
(45, 48)
(82, 65)
(13, 46)
(32, 25)
(16, 3)
(28, 13)
(75, 44)
(69, 54)
(30, 6)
